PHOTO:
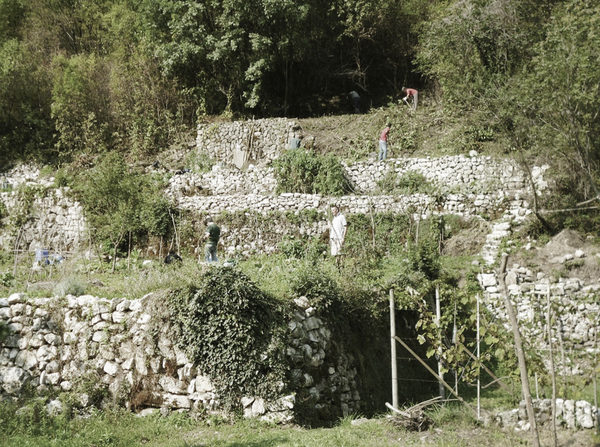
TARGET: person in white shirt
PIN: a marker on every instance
(337, 231)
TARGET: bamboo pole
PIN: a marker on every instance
(552, 371)
(520, 354)
(393, 350)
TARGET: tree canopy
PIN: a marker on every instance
(84, 77)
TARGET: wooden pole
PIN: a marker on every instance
(487, 370)
(393, 350)
(552, 372)
(520, 354)
(428, 368)
(562, 356)
(478, 367)
(596, 374)
(455, 343)
(438, 322)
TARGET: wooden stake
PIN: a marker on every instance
(595, 374)
(520, 354)
(438, 322)
(428, 368)
(393, 350)
(478, 367)
(552, 372)
(455, 343)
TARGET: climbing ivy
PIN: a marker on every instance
(233, 331)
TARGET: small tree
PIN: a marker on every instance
(118, 201)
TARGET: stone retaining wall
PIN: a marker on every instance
(571, 414)
(460, 174)
(263, 140)
(577, 315)
(56, 222)
(57, 344)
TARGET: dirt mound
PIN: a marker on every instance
(552, 258)
(565, 241)
(468, 241)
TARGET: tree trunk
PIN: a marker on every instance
(520, 354)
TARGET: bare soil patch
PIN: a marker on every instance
(553, 257)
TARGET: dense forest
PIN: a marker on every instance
(87, 77)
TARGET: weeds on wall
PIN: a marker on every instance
(304, 171)
(410, 182)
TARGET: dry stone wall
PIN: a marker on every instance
(576, 312)
(458, 174)
(570, 414)
(261, 140)
(54, 222)
(57, 221)
(58, 344)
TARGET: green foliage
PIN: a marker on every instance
(80, 104)
(233, 330)
(410, 182)
(316, 285)
(6, 279)
(199, 161)
(472, 46)
(25, 129)
(118, 201)
(3, 211)
(304, 171)
(561, 103)
(70, 286)
(26, 195)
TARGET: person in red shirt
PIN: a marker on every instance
(383, 138)
(411, 93)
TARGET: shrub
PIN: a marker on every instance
(305, 171)
(411, 182)
(199, 161)
(6, 279)
(316, 285)
(118, 201)
(69, 286)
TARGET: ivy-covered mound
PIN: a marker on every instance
(234, 332)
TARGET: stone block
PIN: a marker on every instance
(176, 401)
(111, 368)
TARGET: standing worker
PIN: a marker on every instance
(212, 235)
(383, 139)
(411, 93)
(355, 97)
(337, 233)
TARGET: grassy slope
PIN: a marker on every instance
(427, 132)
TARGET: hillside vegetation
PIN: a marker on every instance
(79, 79)
(97, 91)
